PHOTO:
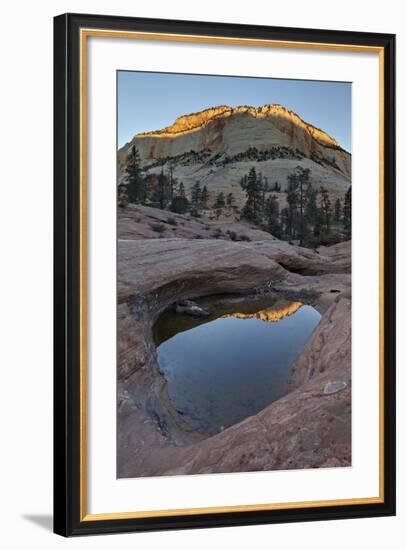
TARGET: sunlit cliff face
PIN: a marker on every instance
(195, 121)
(273, 314)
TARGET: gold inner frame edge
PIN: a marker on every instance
(84, 34)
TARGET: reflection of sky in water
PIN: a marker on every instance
(225, 370)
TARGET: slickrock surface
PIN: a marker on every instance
(138, 222)
(171, 269)
(329, 349)
(309, 427)
(297, 259)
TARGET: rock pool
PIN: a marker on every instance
(228, 366)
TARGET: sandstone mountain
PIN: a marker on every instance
(219, 145)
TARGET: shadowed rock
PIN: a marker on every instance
(188, 307)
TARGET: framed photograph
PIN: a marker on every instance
(224, 274)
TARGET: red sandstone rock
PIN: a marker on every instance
(309, 427)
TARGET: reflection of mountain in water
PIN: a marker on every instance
(231, 367)
(270, 310)
(273, 314)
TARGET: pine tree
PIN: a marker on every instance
(195, 199)
(347, 213)
(196, 194)
(172, 183)
(284, 221)
(136, 188)
(254, 205)
(244, 182)
(179, 203)
(181, 192)
(292, 198)
(318, 224)
(325, 207)
(312, 215)
(304, 188)
(337, 210)
(262, 188)
(163, 189)
(272, 216)
(220, 201)
(311, 206)
(204, 197)
(230, 200)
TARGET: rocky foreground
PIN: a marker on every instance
(309, 427)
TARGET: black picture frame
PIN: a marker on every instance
(67, 353)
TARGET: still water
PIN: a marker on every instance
(228, 366)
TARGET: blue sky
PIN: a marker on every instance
(151, 101)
